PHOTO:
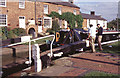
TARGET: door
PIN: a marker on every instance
(65, 24)
(39, 29)
(22, 22)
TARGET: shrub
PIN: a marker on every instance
(7, 33)
(50, 31)
(19, 31)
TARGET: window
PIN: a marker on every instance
(60, 10)
(2, 3)
(47, 22)
(45, 9)
(3, 20)
(39, 21)
(74, 12)
(22, 4)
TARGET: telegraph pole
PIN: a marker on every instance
(117, 23)
(35, 12)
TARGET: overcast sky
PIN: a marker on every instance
(107, 8)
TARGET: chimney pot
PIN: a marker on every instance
(92, 12)
(71, 1)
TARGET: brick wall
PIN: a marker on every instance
(84, 23)
(13, 12)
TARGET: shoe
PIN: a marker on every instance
(101, 49)
(94, 52)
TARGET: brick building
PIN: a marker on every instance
(22, 14)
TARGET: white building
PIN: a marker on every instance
(94, 20)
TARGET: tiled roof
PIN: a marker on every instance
(65, 4)
(88, 16)
(57, 2)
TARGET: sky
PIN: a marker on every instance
(106, 8)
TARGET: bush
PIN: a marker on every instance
(19, 31)
(7, 33)
(50, 31)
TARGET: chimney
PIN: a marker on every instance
(71, 1)
(92, 12)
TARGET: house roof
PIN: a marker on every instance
(88, 16)
(65, 4)
(58, 2)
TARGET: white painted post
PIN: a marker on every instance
(30, 52)
(36, 57)
(51, 54)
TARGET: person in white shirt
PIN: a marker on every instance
(91, 37)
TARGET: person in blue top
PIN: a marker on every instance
(100, 33)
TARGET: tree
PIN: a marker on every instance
(79, 20)
(55, 25)
(69, 17)
(114, 23)
(54, 15)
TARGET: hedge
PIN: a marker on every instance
(7, 33)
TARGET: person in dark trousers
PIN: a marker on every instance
(100, 33)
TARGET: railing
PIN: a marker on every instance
(30, 45)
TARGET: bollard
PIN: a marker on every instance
(36, 57)
(14, 52)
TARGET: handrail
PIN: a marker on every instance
(30, 45)
(26, 41)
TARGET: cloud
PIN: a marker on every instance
(108, 10)
(95, 0)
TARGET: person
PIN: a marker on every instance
(100, 32)
(91, 37)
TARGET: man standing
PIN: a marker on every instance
(91, 37)
(100, 32)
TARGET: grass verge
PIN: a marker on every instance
(96, 74)
(113, 48)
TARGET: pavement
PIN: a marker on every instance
(82, 63)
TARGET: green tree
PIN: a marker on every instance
(70, 18)
(79, 21)
(54, 15)
(114, 23)
(55, 25)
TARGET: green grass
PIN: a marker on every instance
(43, 41)
(96, 74)
(115, 49)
